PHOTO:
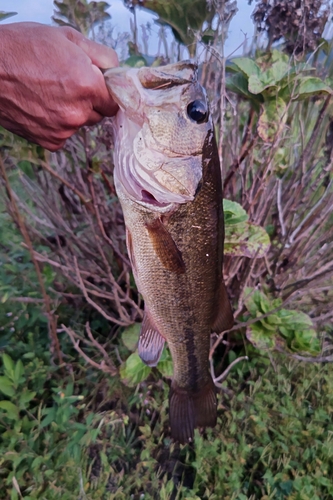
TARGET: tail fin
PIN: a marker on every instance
(188, 411)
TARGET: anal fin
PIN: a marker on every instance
(224, 318)
(188, 411)
(151, 342)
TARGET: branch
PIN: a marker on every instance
(92, 303)
(103, 366)
(224, 375)
(307, 359)
(84, 200)
(52, 320)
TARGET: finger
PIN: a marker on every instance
(52, 146)
(102, 101)
(94, 118)
(100, 55)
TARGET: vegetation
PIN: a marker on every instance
(80, 415)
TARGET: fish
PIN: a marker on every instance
(168, 180)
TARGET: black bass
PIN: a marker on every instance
(167, 177)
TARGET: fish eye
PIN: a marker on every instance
(197, 111)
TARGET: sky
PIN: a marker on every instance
(42, 10)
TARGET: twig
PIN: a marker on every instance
(100, 348)
(101, 227)
(92, 303)
(306, 154)
(280, 211)
(99, 366)
(216, 343)
(63, 181)
(310, 213)
(308, 359)
(24, 300)
(52, 320)
(224, 375)
(247, 146)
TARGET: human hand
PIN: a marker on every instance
(50, 82)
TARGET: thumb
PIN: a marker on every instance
(101, 56)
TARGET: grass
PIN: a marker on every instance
(75, 433)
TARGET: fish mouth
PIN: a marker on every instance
(150, 199)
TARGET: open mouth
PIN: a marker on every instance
(147, 197)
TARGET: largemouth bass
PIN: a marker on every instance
(167, 177)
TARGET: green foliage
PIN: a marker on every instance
(280, 327)
(80, 15)
(241, 237)
(273, 435)
(134, 371)
(41, 434)
(135, 61)
(271, 83)
(185, 18)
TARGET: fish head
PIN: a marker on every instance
(159, 132)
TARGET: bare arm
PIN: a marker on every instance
(50, 82)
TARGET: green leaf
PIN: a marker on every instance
(11, 409)
(8, 364)
(246, 66)
(165, 365)
(26, 167)
(50, 417)
(134, 371)
(260, 337)
(130, 336)
(257, 84)
(241, 237)
(234, 213)
(207, 36)
(136, 61)
(7, 387)
(185, 18)
(311, 85)
(290, 329)
(26, 396)
(251, 299)
(278, 70)
(238, 83)
(272, 119)
(247, 240)
(265, 306)
(18, 372)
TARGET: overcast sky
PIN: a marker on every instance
(42, 10)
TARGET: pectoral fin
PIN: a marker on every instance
(151, 342)
(165, 247)
(224, 318)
